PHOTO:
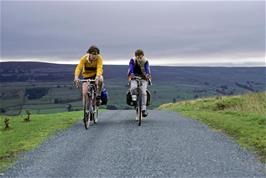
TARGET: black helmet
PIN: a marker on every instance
(93, 50)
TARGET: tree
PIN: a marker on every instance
(69, 107)
(2, 110)
(174, 100)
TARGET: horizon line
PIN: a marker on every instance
(160, 65)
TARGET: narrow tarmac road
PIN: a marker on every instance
(166, 145)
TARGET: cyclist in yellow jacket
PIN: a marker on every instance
(91, 65)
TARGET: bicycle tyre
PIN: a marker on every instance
(85, 116)
(92, 116)
(139, 107)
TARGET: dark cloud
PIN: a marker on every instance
(164, 29)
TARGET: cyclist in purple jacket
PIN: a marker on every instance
(139, 66)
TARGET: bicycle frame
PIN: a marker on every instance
(90, 107)
(138, 105)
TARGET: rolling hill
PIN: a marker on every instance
(46, 87)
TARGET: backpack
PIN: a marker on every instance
(104, 96)
(131, 103)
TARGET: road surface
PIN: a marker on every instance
(166, 145)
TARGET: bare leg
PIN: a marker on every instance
(85, 93)
(99, 84)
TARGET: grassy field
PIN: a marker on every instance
(64, 93)
(24, 136)
(243, 117)
(51, 87)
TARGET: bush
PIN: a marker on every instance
(36, 93)
(220, 106)
(27, 118)
(6, 123)
(2, 110)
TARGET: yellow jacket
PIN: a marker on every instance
(90, 69)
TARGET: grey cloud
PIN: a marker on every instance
(163, 29)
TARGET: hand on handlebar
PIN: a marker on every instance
(148, 77)
(76, 81)
(131, 76)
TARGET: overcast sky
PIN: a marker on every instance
(170, 33)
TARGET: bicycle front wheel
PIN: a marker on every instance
(92, 117)
(139, 107)
(85, 115)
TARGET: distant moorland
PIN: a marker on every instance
(46, 88)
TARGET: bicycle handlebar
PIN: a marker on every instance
(136, 78)
(86, 80)
(139, 78)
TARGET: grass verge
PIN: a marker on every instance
(242, 117)
(23, 136)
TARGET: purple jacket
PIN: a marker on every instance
(136, 68)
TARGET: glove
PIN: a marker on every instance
(131, 76)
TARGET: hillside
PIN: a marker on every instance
(45, 87)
